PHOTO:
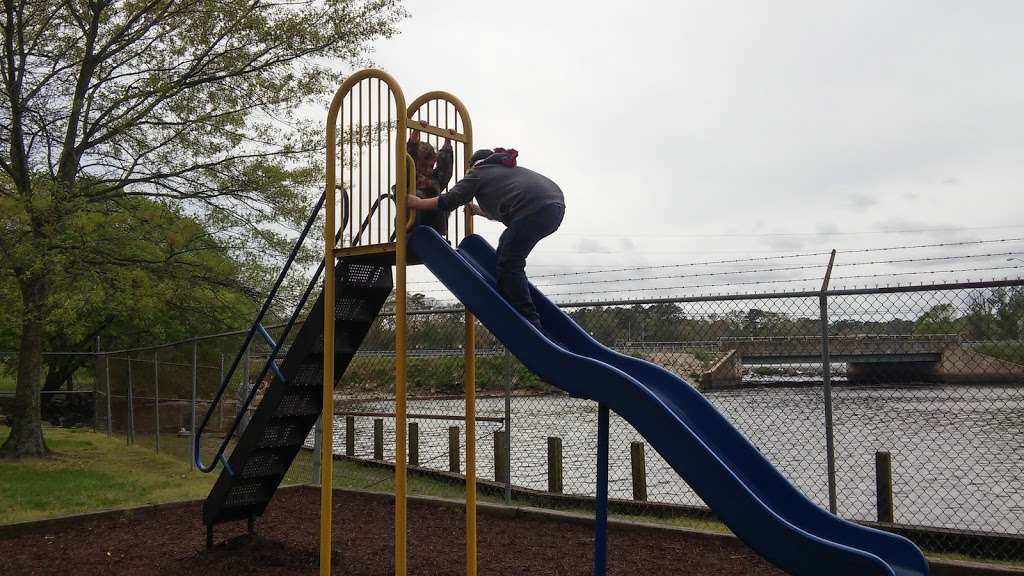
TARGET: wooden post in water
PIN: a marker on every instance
(639, 465)
(500, 456)
(414, 444)
(378, 439)
(883, 486)
(453, 450)
(554, 464)
(350, 435)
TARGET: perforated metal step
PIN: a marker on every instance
(245, 492)
(300, 402)
(283, 432)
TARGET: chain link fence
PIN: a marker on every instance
(925, 381)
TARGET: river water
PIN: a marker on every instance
(957, 452)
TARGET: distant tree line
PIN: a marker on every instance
(990, 314)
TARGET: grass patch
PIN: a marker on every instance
(7, 382)
(88, 472)
(1010, 351)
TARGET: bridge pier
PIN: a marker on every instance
(725, 374)
(891, 372)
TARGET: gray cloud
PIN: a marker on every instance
(711, 122)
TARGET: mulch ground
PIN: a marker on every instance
(172, 542)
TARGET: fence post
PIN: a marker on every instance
(156, 396)
(554, 464)
(508, 427)
(378, 439)
(110, 416)
(883, 486)
(414, 443)
(601, 520)
(96, 385)
(318, 434)
(454, 465)
(220, 405)
(195, 388)
(826, 377)
(245, 387)
(500, 457)
(130, 437)
(245, 367)
(350, 435)
(639, 465)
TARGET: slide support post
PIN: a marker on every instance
(601, 522)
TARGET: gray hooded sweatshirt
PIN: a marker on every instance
(505, 193)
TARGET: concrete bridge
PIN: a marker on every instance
(860, 349)
(868, 358)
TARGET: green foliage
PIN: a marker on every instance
(992, 314)
(136, 272)
(438, 375)
(1009, 351)
(191, 104)
(940, 319)
(669, 323)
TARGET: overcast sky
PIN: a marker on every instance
(683, 131)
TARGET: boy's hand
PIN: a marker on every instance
(414, 136)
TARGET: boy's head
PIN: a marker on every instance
(481, 154)
(425, 158)
(503, 156)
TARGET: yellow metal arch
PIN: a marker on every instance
(330, 253)
(404, 171)
(469, 346)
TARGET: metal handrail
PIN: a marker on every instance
(257, 326)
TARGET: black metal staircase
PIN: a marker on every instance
(293, 401)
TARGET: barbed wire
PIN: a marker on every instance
(772, 258)
(780, 269)
(783, 234)
(782, 281)
(664, 266)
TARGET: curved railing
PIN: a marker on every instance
(257, 327)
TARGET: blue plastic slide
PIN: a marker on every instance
(729, 474)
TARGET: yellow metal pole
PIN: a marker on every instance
(330, 229)
(469, 349)
(400, 332)
(327, 413)
(403, 165)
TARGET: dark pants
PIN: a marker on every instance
(515, 244)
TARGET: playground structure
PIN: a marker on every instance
(365, 240)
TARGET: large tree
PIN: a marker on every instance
(188, 101)
(137, 259)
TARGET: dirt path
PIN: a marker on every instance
(171, 542)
